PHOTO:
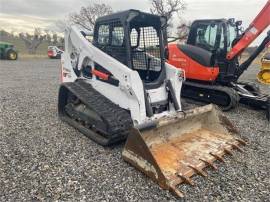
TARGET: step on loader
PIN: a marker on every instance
(119, 87)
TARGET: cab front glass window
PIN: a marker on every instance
(222, 39)
(207, 36)
(118, 36)
(231, 35)
(211, 35)
(103, 34)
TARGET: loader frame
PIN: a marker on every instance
(114, 78)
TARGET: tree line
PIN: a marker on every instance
(171, 9)
(87, 16)
(33, 40)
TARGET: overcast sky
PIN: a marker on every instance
(22, 15)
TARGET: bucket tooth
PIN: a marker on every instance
(227, 151)
(242, 142)
(185, 179)
(235, 146)
(198, 170)
(218, 157)
(176, 191)
(209, 163)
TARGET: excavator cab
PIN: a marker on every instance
(216, 37)
(208, 44)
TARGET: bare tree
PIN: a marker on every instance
(61, 25)
(37, 32)
(47, 36)
(87, 16)
(32, 42)
(183, 31)
(55, 39)
(12, 32)
(61, 41)
(167, 8)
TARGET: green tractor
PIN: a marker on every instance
(7, 51)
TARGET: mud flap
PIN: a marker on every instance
(182, 146)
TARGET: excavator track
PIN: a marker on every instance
(91, 113)
(225, 97)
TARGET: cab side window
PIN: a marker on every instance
(117, 36)
(211, 35)
(103, 34)
(206, 36)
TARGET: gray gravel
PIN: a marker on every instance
(42, 158)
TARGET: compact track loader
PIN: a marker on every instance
(119, 87)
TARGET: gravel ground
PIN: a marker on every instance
(42, 158)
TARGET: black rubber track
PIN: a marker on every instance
(117, 120)
(211, 94)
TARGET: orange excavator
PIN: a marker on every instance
(210, 59)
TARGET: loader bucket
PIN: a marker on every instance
(181, 146)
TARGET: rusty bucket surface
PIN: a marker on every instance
(182, 146)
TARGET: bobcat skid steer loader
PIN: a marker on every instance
(119, 87)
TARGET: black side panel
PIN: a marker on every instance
(200, 55)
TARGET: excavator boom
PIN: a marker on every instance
(260, 23)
